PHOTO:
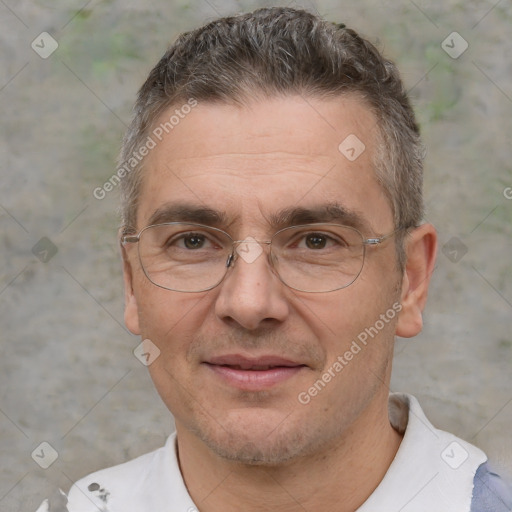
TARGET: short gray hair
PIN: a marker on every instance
(283, 51)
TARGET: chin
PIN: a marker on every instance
(257, 440)
(257, 452)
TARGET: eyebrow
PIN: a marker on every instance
(183, 212)
(324, 213)
(291, 216)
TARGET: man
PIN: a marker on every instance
(273, 248)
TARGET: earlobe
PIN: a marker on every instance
(421, 249)
(131, 310)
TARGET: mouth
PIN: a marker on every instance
(253, 374)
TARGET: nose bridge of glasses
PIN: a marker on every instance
(248, 249)
(251, 240)
(249, 253)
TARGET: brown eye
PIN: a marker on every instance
(316, 241)
(194, 241)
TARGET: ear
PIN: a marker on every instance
(421, 249)
(131, 310)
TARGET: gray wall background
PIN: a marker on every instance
(68, 376)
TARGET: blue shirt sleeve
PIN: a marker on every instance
(490, 493)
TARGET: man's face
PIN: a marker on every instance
(251, 163)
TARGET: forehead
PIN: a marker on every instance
(250, 162)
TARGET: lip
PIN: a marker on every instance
(253, 374)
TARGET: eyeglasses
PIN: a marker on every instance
(312, 258)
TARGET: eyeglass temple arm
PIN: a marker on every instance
(379, 240)
(375, 241)
(129, 239)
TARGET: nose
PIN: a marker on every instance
(251, 294)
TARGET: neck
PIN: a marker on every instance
(340, 477)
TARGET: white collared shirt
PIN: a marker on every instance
(433, 471)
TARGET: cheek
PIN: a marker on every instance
(354, 314)
(339, 315)
(169, 319)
